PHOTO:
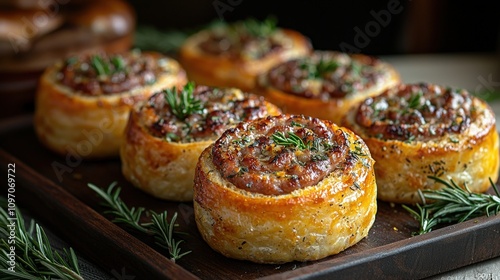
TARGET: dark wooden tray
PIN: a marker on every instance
(64, 202)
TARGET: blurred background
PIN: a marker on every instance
(423, 38)
(420, 26)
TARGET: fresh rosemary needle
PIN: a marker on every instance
(34, 256)
(291, 140)
(159, 227)
(318, 70)
(453, 204)
(107, 66)
(184, 103)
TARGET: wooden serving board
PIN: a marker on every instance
(63, 201)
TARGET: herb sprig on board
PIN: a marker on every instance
(183, 103)
(34, 256)
(160, 227)
(452, 204)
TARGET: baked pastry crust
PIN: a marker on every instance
(458, 143)
(326, 84)
(90, 125)
(272, 226)
(160, 160)
(238, 69)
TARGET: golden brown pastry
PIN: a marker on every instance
(233, 55)
(326, 84)
(419, 130)
(165, 136)
(83, 103)
(285, 188)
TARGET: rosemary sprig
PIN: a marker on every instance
(414, 101)
(159, 227)
(163, 232)
(318, 70)
(426, 221)
(99, 65)
(260, 29)
(106, 67)
(184, 103)
(292, 140)
(34, 256)
(118, 63)
(325, 66)
(453, 204)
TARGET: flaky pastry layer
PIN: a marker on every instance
(89, 126)
(306, 224)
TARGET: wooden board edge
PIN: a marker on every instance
(416, 257)
(86, 230)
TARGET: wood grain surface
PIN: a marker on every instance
(62, 199)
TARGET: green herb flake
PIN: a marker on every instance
(296, 124)
(172, 137)
(453, 139)
(71, 60)
(319, 157)
(410, 139)
(99, 65)
(242, 141)
(356, 68)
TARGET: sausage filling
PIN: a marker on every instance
(417, 112)
(277, 155)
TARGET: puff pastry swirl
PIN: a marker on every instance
(419, 130)
(325, 84)
(82, 104)
(161, 146)
(285, 188)
(232, 55)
